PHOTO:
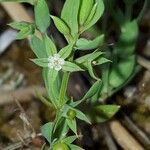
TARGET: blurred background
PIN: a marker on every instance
(22, 113)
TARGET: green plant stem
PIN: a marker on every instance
(65, 80)
(63, 88)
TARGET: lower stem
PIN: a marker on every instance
(65, 80)
(63, 88)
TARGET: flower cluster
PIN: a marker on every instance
(55, 62)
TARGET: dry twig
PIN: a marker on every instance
(16, 11)
(123, 137)
(143, 62)
(140, 135)
(108, 138)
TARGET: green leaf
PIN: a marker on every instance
(24, 33)
(95, 15)
(96, 96)
(85, 9)
(42, 18)
(51, 84)
(70, 139)
(100, 61)
(80, 115)
(42, 62)
(61, 25)
(105, 112)
(25, 28)
(121, 71)
(70, 14)
(47, 131)
(88, 58)
(129, 32)
(93, 90)
(84, 44)
(76, 103)
(92, 13)
(72, 125)
(38, 47)
(128, 38)
(91, 71)
(87, 63)
(66, 51)
(50, 46)
(58, 119)
(75, 147)
(105, 79)
(71, 67)
(20, 25)
(52, 75)
(61, 129)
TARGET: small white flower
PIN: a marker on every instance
(55, 62)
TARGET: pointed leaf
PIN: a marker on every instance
(66, 51)
(94, 99)
(92, 13)
(24, 33)
(42, 18)
(91, 71)
(72, 125)
(61, 129)
(105, 112)
(70, 139)
(84, 44)
(70, 14)
(76, 103)
(42, 62)
(52, 73)
(47, 131)
(52, 76)
(98, 13)
(50, 46)
(38, 47)
(80, 115)
(71, 67)
(25, 28)
(20, 25)
(88, 58)
(93, 90)
(75, 147)
(85, 9)
(101, 60)
(51, 85)
(61, 25)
